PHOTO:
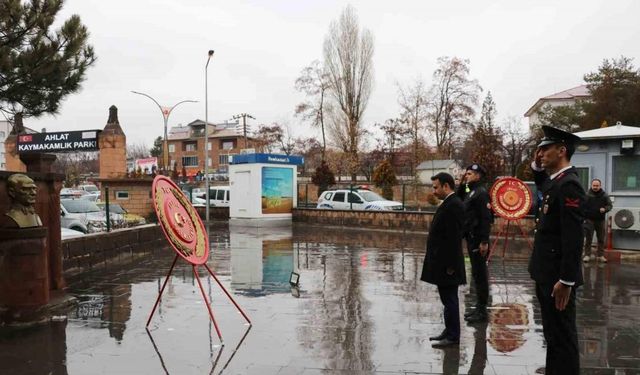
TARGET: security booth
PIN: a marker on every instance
(612, 155)
(263, 188)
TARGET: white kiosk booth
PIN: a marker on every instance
(263, 189)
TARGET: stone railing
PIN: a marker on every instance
(392, 220)
(101, 249)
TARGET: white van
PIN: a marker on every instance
(218, 196)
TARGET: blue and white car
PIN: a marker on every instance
(356, 199)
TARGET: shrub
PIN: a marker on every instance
(384, 177)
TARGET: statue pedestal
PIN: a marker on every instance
(24, 280)
(25, 295)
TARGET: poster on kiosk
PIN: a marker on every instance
(263, 186)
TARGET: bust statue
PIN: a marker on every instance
(22, 194)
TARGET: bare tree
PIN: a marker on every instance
(393, 134)
(310, 148)
(348, 60)
(137, 151)
(516, 144)
(286, 140)
(453, 98)
(413, 101)
(314, 82)
(275, 137)
(76, 166)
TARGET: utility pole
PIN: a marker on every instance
(244, 116)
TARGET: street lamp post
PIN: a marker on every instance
(166, 111)
(206, 137)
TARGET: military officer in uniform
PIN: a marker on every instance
(555, 262)
(476, 229)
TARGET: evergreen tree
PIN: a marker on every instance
(39, 67)
(156, 150)
(384, 177)
(566, 117)
(485, 141)
(615, 94)
(323, 177)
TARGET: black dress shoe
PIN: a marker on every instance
(478, 317)
(445, 342)
(439, 337)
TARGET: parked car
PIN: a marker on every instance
(85, 216)
(130, 220)
(91, 189)
(218, 197)
(66, 233)
(191, 193)
(356, 199)
(67, 193)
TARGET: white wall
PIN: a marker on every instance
(245, 184)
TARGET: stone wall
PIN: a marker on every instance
(413, 221)
(219, 213)
(102, 249)
(137, 190)
(404, 220)
(416, 196)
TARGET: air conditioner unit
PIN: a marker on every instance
(248, 151)
(625, 218)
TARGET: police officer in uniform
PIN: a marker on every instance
(555, 262)
(477, 226)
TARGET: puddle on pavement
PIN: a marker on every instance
(359, 306)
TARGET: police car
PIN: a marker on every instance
(356, 199)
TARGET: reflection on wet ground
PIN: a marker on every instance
(359, 308)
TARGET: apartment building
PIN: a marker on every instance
(186, 145)
(5, 129)
(563, 98)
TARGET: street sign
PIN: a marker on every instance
(179, 221)
(71, 141)
(511, 198)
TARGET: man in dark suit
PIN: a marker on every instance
(444, 263)
(555, 262)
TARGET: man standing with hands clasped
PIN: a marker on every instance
(444, 262)
(597, 205)
(555, 262)
(477, 224)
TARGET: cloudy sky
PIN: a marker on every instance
(519, 50)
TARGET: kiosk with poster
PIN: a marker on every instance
(263, 188)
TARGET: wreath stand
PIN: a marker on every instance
(511, 200)
(184, 230)
(194, 267)
(504, 233)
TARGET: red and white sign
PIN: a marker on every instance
(511, 198)
(147, 163)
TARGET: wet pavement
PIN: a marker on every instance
(359, 309)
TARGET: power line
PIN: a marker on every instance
(244, 116)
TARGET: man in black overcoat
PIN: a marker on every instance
(444, 263)
(555, 262)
